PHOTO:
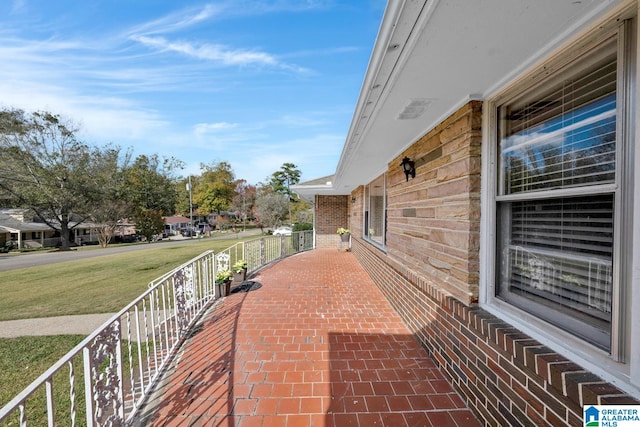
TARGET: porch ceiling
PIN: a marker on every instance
(431, 57)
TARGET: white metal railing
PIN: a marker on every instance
(106, 378)
(262, 251)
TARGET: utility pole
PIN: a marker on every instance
(244, 211)
(190, 206)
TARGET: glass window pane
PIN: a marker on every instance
(367, 208)
(377, 210)
(556, 256)
(563, 137)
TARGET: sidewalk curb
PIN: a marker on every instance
(82, 324)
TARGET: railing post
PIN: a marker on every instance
(88, 388)
(51, 413)
(263, 252)
(72, 393)
(283, 249)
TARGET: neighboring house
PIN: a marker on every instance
(26, 232)
(84, 233)
(174, 224)
(513, 253)
(124, 229)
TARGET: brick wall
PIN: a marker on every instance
(331, 213)
(430, 276)
(507, 378)
(356, 215)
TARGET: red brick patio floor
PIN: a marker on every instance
(316, 345)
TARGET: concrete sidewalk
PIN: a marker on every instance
(62, 325)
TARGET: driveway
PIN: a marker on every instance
(14, 261)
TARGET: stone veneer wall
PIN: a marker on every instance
(331, 213)
(433, 220)
(430, 276)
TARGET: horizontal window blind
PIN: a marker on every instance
(564, 139)
(561, 251)
(581, 225)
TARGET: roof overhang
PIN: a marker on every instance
(322, 186)
(432, 57)
(18, 227)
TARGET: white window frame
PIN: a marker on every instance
(366, 208)
(621, 365)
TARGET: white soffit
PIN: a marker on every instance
(431, 57)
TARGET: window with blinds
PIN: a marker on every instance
(556, 198)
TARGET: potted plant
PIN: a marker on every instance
(223, 283)
(344, 234)
(240, 271)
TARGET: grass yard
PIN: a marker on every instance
(103, 284)
(97, 285)
(24, 359)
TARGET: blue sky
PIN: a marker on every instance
(253, 83)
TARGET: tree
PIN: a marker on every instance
(244, 200)
(151, 184)
(214, 189)
(149, 222)
(113, 205)
(44, 167)
(182, 197)
(282, 180)
(151, 191)
(271, 208)
(302, 211)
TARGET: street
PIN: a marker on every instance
(14, 261)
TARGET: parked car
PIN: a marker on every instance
(282, 231)
(188, 232)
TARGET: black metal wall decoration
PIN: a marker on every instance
(408, 167)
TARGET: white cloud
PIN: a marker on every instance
(18, 6)
(62, 98)
(147, 35)
(210, 52)
(201, 129)
(177, 21)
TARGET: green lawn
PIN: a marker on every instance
(97, 285)
(24, 359)
(103, 284)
